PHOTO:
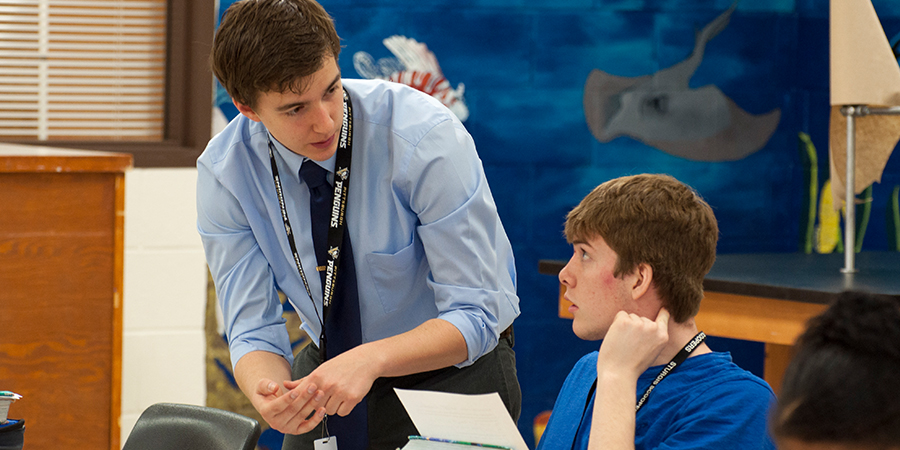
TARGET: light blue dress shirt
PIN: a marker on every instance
(427, 240)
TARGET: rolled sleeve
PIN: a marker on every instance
(471, 260)
(244, 282)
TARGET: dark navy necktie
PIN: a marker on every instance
(342, 323)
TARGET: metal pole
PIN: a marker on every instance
(889, 111)
(851, 112)
(850, 197)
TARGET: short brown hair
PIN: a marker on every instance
(657, 220)
(271, 45)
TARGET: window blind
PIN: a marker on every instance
(82, 70)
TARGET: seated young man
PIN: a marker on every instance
(840, 390)
(642, 245)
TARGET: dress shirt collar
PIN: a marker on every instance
(294, 161)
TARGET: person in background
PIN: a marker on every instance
(840, 389)
(395, 260)
(642, 245)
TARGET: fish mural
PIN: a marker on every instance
(416, 66)
(660, 110)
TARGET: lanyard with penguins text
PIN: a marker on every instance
(336, 224)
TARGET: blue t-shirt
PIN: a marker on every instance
(708, 402)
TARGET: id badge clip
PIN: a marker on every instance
(327, 442)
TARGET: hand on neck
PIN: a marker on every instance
(679, 335)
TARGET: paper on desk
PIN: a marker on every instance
(864, 71)
(472, 418)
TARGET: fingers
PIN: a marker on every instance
(622, 315)
(306, 410)
(307, 425)
(305, 420)
(296, 411)
(637, 322)
(341, 406)
(630, 328)
(300, 402)
(662, 319)
(332, 406)
(631, 319)
(267, 387)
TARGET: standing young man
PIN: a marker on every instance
(642, 245)
(416, 278)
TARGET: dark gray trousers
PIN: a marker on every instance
(389, 425)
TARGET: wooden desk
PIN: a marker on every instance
(61, 253)
(769, 297)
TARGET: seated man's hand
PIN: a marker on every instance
(290, 412)
(633, 343)
(344, 379)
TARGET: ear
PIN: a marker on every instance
(642, 277)
(246, 110)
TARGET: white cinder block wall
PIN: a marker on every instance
(163, 343)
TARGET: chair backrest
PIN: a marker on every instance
(172, 426)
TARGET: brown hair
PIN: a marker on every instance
(271, 45)
(657, 220)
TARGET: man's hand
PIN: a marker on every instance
(290, 412)
(348, 377)
(344, 380)
(633, 343)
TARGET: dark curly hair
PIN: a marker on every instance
(842, 385)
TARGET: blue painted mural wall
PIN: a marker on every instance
(524, 64)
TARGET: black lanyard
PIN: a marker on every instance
(678, 359)
(675, 362)
(336, 224)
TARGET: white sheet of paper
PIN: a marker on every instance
(472, 418)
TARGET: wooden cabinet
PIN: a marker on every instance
(61, 253)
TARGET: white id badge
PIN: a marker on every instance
(329, 443)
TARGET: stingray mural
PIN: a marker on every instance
(660, 110)
(416, 66)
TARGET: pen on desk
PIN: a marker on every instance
(451, 441)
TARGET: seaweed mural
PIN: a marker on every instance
(811, 190)
(821, 223)
(893, 220)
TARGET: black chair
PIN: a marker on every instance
(172, 426)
